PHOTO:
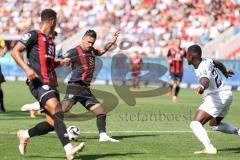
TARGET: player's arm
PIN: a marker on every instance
(169, 59)
(17, 54)
(223, 69)
(62, 62)
(108, 45)
(204, 84)
(3, 48)
(63, 59)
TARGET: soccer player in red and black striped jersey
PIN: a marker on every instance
(175, 58)
(42, 81)
(78, 90)
(136, 64)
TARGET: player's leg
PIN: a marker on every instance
(196, 125)
(218, 125)
(40, 129)
(53, 106)
(90, 102)
(67, 105)
(178, 79)
(2, 109)
(134, 81)
(137, 82)
(99, 111)
(33, 108)
(171, 85)
(2, 79)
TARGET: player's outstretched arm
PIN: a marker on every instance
(63, 62)
(223, 69)
(17, 54)
(109, 44)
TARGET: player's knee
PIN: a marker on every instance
(66, 106)
(97, 109)
(193, 124)
(58, 115)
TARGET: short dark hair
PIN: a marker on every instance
(195, 50)
(48, 14)
(90, 33)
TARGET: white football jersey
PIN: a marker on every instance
(207, 69)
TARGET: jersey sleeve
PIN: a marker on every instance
(28, 38)
(70, 53)
(206, 69)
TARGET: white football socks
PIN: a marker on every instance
(68, 148)
(201, 134)
(25, 134)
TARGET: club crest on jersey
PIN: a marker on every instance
(70, 96)
(46, 87)
(26, 37)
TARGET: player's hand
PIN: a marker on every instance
(115, 37)
(66, 62)
(200, 90)
(31, 74)
(229, 73)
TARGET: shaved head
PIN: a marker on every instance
(194, 54)
(195, 51)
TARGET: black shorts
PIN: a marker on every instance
(42, 92)
(176, 76)
(80, 92)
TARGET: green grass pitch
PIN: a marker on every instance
(154, 129)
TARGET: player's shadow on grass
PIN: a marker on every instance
(123, 136)
(45, 157)
(234, 150)
(98, 156)
(84, 157)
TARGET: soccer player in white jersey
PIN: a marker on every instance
(217, 98)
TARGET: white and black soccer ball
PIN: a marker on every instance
(73, 132)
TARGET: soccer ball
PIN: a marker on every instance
(73, 132)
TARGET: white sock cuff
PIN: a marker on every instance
(25, 134)
(195, 123)
(68, 148)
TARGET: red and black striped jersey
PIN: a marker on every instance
(177, 58)
(41, 54)
(83, 64)
(136, 63)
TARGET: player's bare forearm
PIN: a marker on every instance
(223, 69)
(109, 44)
(204, 84)
(62, 62)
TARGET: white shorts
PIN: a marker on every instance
(217, 104)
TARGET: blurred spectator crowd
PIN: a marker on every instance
(151, 24)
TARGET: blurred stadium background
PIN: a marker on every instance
(150, 26)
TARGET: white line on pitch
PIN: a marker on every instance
(94, 132)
